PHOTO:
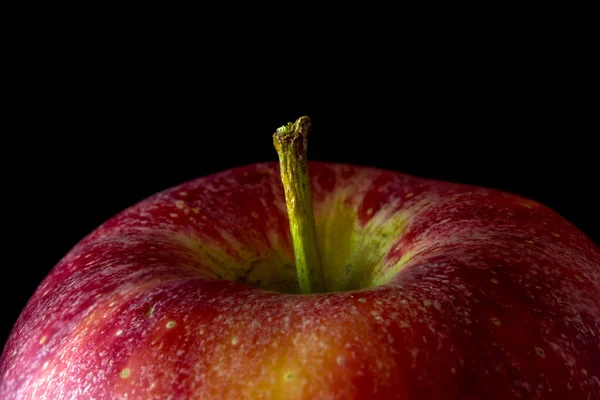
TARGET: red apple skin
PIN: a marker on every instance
(480, 294)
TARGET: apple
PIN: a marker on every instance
(343, 282)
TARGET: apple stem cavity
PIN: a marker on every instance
(290, 142)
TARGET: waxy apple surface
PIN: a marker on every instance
(436, 290)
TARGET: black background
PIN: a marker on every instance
(99, 127)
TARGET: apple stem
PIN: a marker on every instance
(290, 142)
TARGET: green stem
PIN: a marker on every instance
(290, 142)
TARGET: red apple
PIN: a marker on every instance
(434, 290)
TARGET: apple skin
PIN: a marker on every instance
(442, 291)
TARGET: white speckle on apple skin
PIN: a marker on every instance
(171, 324)
(540, 352)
